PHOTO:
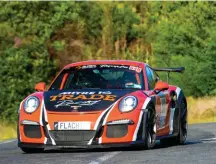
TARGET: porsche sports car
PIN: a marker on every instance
(103, 103)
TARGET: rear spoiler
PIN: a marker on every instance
(168, 70)
(180, 69)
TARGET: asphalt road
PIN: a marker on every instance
(199, 149)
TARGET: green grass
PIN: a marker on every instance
(7, 131)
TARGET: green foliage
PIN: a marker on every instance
(20, 70)
(186, 36)
(38, 38)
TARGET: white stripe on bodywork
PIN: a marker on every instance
(178, 90)
(138, 125)
(47, 126)
(45, 140)
(18, 121)
(41, 115)
(172, 111)
(100, 140)
(146, 103)
(98, 121)
(140, 118)
(90, 142)
(41, 112)
(20, 106)
(105, 120)
(99, 118)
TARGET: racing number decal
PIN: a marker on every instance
(163, 112)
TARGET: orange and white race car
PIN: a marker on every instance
(103, 103)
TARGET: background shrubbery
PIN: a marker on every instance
(38, 38)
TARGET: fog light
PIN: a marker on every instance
(123, 121)
(27, 122)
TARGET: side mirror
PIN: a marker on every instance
(160, 86)
(40, 87)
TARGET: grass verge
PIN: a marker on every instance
(7, 131)
(201, 110)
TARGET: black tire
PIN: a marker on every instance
(32, 150)
(183, 126)
(150, 133)
(182, 136)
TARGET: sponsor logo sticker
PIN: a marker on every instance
(79, 99)
(83, 97)
(74, 104)
(137, 69)
(76, 125)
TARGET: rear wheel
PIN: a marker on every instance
(181, 138)
(182, 135)
(32, 150)
(150, 133)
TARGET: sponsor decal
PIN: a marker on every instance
(172, 111)
(113, 66)
(74, 104)
(137, 69)
(78, 99)
(83, 97)
(163, 112)
(86, 93)
(133, 85)
(76, 125)
(88, 66)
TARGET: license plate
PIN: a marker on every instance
(84, 125)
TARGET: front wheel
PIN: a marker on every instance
(32, 150)
(181, 138)
(150, 134)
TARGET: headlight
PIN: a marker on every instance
(31, 104)
(128, 103)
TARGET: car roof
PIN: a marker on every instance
(97, 62)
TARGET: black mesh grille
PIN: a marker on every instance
(117, 131)
(72, 135)
(32, 131)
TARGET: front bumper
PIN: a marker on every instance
(115, 130)
(81, 145)
(41, 135)
(117, 135)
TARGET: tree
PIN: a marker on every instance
(185, 37)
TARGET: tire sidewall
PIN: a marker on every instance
(183, 125)
(150, 131)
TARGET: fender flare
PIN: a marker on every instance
(179, 114)
(140, 134)
(181, 97)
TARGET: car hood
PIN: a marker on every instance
(85, 100)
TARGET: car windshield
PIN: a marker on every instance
(101, 77)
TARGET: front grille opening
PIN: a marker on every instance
(117, 131)
(72, 135)
(32, 131)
